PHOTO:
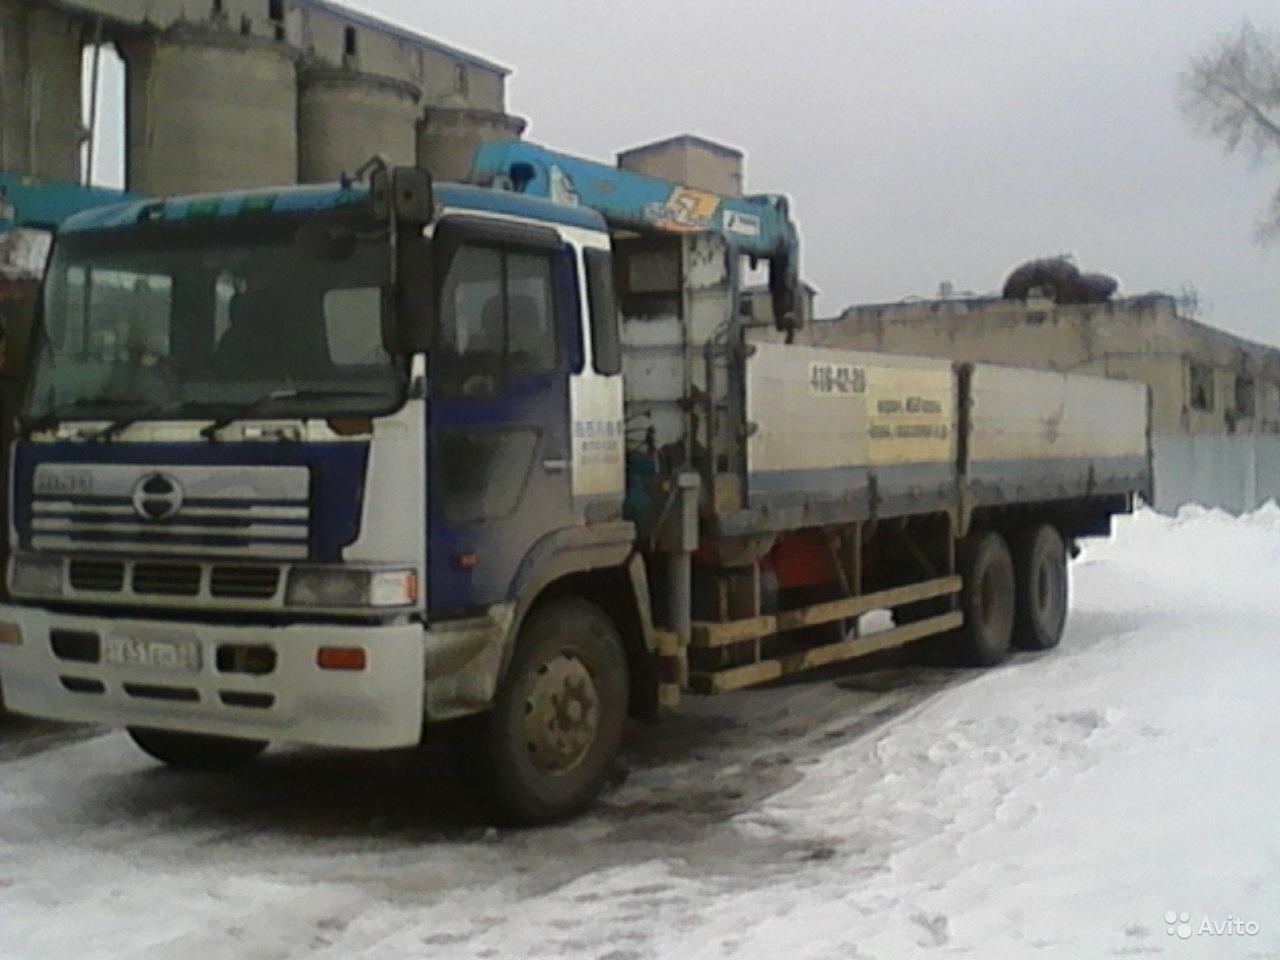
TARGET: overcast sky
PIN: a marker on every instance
(921, 141)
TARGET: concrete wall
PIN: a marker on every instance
(40, 110)
(1236, 473)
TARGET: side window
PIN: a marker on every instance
(497, 320)
(1201, 386)
(1246, 397)
(604, 313)
(531, 346)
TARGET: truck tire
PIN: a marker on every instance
(550, 743)
(1040, 562)
(195, 751)
(987, 600)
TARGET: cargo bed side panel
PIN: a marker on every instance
(1040, 435)
(837, 434)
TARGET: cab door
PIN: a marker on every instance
(499, 454)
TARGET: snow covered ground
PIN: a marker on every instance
(1061, 806)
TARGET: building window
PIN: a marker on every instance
(349, 41)
(275, 14)
(1246, 398)
(461, 82)
(1201, 383)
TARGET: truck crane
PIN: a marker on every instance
(342, 464)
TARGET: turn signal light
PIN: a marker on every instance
(340, 658)
(10, 633)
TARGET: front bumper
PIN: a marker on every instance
(380, 706)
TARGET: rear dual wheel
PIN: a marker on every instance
(1040, 557)
(987, 600)
(1015, 593)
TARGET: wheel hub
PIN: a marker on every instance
(560, 715)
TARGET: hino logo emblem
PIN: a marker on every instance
(157, 496)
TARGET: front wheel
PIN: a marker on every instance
(195, 751)
(547, 748)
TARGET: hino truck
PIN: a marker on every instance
(342, 464)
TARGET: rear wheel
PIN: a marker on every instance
(987, 600)
(1040, 561)
(548, 746)
(195, 751)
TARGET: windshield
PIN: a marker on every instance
(204, 319)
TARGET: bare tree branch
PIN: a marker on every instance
(1232, 93)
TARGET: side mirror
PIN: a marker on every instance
(409, 189)
(412, 195)
(412, 309)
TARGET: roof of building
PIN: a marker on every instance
(929, 309)
(683, 140)
(138, 12)
(384, 25)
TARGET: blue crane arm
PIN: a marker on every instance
(757, 226)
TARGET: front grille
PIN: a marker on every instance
(161, 578)
(180, 510)
(169, 579)
(251, 581)
(101, 575)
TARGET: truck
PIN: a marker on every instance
(352, 463)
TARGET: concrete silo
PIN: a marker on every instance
(448, 137)
(40, 64)
(345, 117)
(210, 110)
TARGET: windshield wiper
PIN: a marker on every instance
(51, 418)
(115, 427)
(251, 407)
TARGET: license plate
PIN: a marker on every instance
(175, 655)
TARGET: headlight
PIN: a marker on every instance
(350, 587)
(39, 575)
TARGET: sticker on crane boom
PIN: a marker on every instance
(744, 224)
(684, 210)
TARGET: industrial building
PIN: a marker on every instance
(1215, 396)
(233, 93)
